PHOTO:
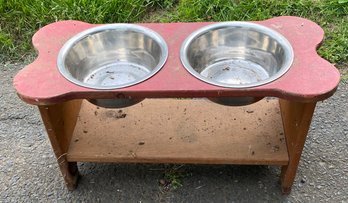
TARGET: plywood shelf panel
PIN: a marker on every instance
(180, 131)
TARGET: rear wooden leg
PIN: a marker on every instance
(297, 118)
(60, 120)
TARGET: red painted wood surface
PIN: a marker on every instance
(310, 78)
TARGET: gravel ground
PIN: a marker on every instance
(29, 172)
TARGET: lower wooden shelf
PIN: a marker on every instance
(180, 131)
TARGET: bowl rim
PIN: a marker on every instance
(289, 52)
(105, 28)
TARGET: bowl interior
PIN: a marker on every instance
(112, 56)
(236, 54)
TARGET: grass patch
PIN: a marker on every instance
(20, 19)
(344, 74)
(172, 178)
(331, 15)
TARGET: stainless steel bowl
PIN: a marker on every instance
(112, 56)
(236, 55)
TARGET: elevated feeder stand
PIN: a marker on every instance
(269, 132)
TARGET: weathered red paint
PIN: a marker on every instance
(310, 78)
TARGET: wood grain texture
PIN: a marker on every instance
(310, 78)
(180, 131)
(60, 121)
(297, 118)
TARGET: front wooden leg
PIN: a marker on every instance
(297, 118)
(60, 120)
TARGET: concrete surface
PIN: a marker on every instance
(29, 172)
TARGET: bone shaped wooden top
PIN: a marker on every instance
(309, 79)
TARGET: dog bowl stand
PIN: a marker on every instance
(164, 129)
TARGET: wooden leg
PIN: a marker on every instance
(60, 120)
(297, 118)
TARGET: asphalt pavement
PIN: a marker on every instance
(29, 171)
